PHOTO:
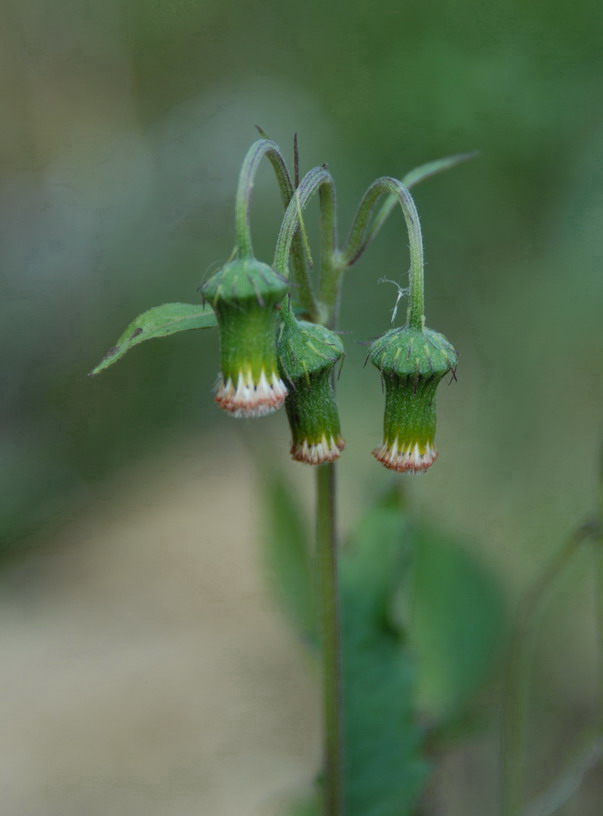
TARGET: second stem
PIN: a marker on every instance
(329, 610)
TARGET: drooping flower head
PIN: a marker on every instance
(412, 362)
(245, 295)
(307, 354)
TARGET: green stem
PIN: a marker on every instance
(311, 182)
(326, 535)
(357, 237)
(325, 310)
(598, 555)
(326, 540)
(518, 674)
(569, 779)
(258, 150)
(598, 572)
(331, 266)
(411, 179)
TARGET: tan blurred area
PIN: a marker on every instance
(145, 670)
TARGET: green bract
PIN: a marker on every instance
(307, 354)
(244, 295)
(412, 363)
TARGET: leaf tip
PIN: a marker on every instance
(104, 362)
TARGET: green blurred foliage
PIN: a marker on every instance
(287, 556)
(453, 610)
(422, 625)
(123, 129)
(385, 768)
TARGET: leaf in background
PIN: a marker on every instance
(287, 555)
(414, 177)
(384, 766)
(308, 807)
(455, 617)
(432, 168)
(421, 623)
(160, 321)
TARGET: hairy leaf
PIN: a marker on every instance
(160, 321)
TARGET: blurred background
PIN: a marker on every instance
(145, 667)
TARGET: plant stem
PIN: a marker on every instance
(357, 240)
(569, 779)
(598, 571)
(311, 182)
(411, 179)
(519, 669)
(331, 266)
(251, 163)
(327, 557)
(318, 179)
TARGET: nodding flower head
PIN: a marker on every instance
(307, 354)
(245, 295)
(412, 362)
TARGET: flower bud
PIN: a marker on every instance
(412, 363)
(244, 295)
(307, 354)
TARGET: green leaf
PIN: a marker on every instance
(411, 179)
(160, 321)
(432, 168)
(384, 764)
(287, 556)
(307, 807)
(422, 624)
(456, 619)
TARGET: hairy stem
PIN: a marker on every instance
(320, 180)
(356, 240)
(331, 266)
(411, 179)
(327, 556)
(325, 310)
(311, 182)
(258, 150)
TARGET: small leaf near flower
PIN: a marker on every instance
(159, 321)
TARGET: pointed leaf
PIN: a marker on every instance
(411, 179)
(160, 321)
(432, 168)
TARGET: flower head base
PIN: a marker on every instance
(406, 460)
(244, 295)
(412, 363)
(308, 353)
(248, 397)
